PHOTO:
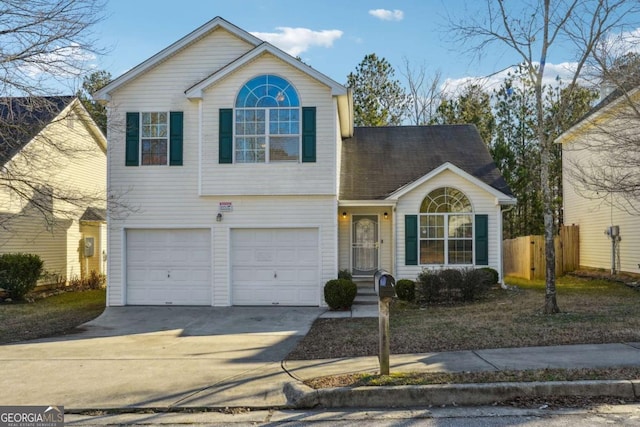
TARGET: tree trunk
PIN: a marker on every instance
(550, 303)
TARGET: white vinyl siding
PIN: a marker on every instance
(594, 216)
(268, 195)
(248, 212)
(481, 201)
(277, 178)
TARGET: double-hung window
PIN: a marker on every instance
(446, 228)
(267, 121)
(154, 138)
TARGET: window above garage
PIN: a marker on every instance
(268, 125)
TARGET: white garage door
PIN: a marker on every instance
(169, 267)
(275, 266)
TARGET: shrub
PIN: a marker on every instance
(93, 282)
(475, 283)
(340, 293)
(406, 290)
(452, 285)
(19, 273)
(345, 274)
(428, 287)
(494, 274)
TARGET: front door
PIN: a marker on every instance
(364, 245)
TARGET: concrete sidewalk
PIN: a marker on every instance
(171, 358)
(563, 357)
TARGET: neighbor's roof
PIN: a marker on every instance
(23, 118)
(377, 161)
(616, 97)
(94, 214)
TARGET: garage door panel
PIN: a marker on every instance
(289, 254)
(169, 266)
(308, 256)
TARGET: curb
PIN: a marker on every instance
(300, 396)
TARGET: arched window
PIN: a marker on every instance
(267, 121)
(446, 228)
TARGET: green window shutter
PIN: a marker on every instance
(308, 134)
(482, 240)
(225, 141)
(175, 138)
(132, 139)
(411, 239)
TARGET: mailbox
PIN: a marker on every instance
(385, 284)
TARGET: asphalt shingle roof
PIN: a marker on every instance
(22, 118)
(377, 161)
(94, 214)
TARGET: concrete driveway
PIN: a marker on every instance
(159, 357)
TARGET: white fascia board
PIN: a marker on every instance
(500, 196)
(587, 121)
(195, 91)
(357, 203)
(217, 22)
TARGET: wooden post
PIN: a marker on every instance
(383, 321)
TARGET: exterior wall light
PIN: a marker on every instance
(386, 215)
(219, 217)
(344, 214)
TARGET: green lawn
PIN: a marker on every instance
(50, 316)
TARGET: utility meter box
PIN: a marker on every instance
(89, 246)
(385, 284)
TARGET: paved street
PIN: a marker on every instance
(604, 415)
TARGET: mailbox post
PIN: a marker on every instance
(384, 284)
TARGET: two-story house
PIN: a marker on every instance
(53, 183)
(252, 187)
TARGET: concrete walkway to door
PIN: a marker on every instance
(159, 357)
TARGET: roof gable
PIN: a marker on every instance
(22, 118)
(384, 162)
(196, 90)
(184, 42)
(608, 107)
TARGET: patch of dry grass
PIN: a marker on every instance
(422, 378)
(49, 316)
(593, 311)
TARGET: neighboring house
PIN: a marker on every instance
(53, 184)
(595, 212)
(252, 187)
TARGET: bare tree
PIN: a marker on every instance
(425, 92)
(45, 47)
(533, 31)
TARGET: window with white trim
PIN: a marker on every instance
(267, 121)
(446, 228)
(154, 138)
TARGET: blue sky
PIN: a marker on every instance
(333, 36)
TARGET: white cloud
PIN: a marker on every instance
(61, 62)
(387, 15)
(294, 41)
(554, 73)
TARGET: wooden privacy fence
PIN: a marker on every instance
(524, 256)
